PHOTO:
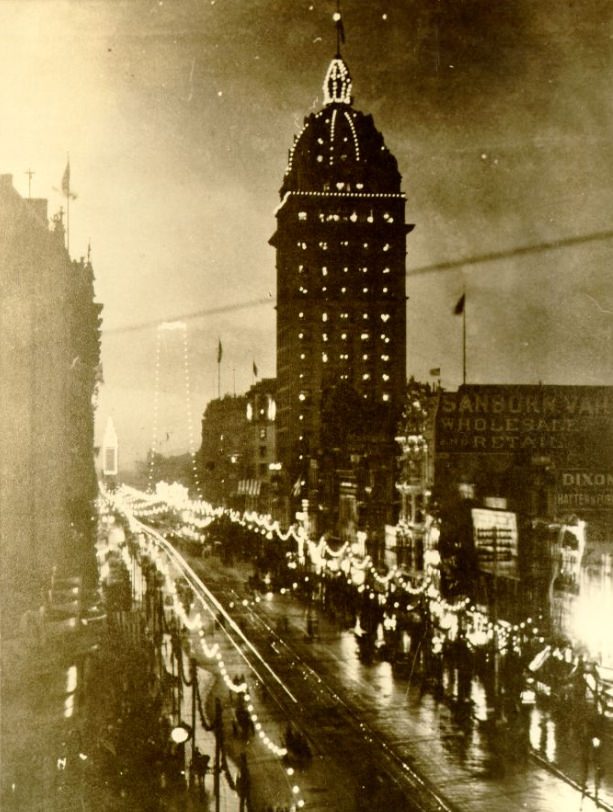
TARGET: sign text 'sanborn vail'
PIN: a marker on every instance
(538, 419)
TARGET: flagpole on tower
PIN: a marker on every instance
(68, 194)
(340, 29)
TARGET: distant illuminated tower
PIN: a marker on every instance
(110, 450)
(340, 256)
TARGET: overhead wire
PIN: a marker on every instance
(447, 265)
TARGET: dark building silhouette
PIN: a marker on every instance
(50, 354)
(341, 314)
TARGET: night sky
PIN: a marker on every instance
(178, 117)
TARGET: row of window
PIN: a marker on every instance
(324, 269)
(344, 217)
(343, 289)
(323, 245)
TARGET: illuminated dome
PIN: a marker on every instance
(339, 148)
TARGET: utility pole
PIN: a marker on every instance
(218, 726)
(194, 678)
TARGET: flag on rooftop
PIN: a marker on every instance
(459, 308)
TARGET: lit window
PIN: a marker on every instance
(302, 356)
(324, 271)
(385, 358)
(344, 377)
(386, 270)
(343, 290)
(302, 245)
(324, 357)
(385, 316)
(359, 186)
(300, 335)
(365, 336)
(366, 376)
(324, 317)
(370, 218)
(300, 268)
(301, 416)
(344, 336)
(385, 290)
(365, 245)
(302, 396)
(322, 244)
(301, 376)
(353, 217)
(364, 290)
(324, 289)
(365, 316)
(386, 247)
(344, 315)
(301, 315)
(302, 215)
(324, 337)
(386, 396)
(385, 376)
(320, 158)
(365, 357)
(344, 243)
(364, 269)
(345, 270)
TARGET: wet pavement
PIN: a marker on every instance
(474, 766)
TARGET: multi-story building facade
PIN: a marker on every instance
(534, 463)
(49, 349)
(341, 305)
(261, 469)
(223, 449)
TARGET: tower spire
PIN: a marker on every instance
(337, 84)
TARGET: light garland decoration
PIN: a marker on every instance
(188, 403)
(156, 401)
(478, 628)
(195, 624)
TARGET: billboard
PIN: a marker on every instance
(495, 539)
(567, 422)
(584, 489)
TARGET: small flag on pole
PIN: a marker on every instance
(255, 370)
(219, 351)
(66, 180)
(459, 308)
(436, 372)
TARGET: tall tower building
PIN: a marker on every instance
(340, 255)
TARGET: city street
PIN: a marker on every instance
(345, 706)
